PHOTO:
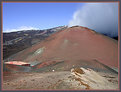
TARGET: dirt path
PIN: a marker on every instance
(35, 80)
(49, 80)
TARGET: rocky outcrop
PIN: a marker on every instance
(91, 79)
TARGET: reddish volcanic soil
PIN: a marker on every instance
(73, 44)
(74, 58)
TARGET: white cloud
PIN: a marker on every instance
(101, 17)
(21, 28)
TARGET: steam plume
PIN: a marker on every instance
(101, 17)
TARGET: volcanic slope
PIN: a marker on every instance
(73, 44)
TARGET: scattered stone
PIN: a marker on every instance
(33, 80)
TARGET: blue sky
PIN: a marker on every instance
(37, 15)
(101, 17)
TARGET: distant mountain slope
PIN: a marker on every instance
(14, 42)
